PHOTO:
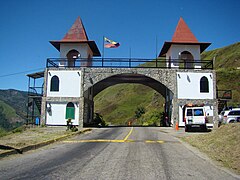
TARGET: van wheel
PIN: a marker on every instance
(204, 128)
(186, 129)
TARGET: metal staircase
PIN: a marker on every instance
(35, 94)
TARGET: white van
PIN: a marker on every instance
(195, 117)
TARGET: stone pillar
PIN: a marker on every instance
(81, 112)
(215, 102)
(215, 115)
(43, 111)
(174, 118)
(44, 105)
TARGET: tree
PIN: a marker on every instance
(139, 112)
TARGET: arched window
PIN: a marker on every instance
(70, 111)
(187, 57)
(204, 86)
(54, 84)
(72, 56)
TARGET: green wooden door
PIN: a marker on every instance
(70, 113)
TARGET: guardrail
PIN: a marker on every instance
(129, 63)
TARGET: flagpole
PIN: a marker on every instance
(156, 51)
(130, 56)
(156, 47)
(103, 52)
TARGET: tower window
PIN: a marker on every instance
(204, 86)
(54, 84)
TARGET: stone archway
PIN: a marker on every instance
(161, 81)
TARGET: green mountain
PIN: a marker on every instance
(226, 57)
(118, 104)
(227, 65)
(12, 108)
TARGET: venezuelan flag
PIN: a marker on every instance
(110, 43)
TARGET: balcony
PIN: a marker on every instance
(128, 63)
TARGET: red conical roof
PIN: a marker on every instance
(77, 32)
(183, 33)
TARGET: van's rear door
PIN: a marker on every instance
(198, 116)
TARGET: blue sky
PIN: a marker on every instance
(27, 26)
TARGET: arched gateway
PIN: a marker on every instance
(179, 75)
(97, 79)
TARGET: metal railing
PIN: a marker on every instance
(35, 91)
(129, 63)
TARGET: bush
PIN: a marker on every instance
(19, 129)
(98, 120)
(3, 132)
(139, 112)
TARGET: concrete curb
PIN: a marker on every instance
(41, 144)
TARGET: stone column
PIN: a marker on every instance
(81, 112)
(215, 115)
(43, 111)
(215, 101)
(43, 105)
(175, 112)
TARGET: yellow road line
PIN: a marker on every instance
(115, 140)
(128, 134)
(95, 140)
(161, 142)
(112, 141)
(151, 141)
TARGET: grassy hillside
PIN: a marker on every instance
(16, 99)
(12, 108)
(222, 145)
(227, 65)
(8, 118)
(118, 104)
(226, 57)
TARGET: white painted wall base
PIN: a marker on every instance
(57, 114)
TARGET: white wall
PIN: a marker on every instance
(188, 85)
(175, 49)
(58, 113)
(69, 83)
(83, 49)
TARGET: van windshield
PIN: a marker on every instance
(198, 112)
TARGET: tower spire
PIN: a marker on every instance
(76, 32)
(183, 33)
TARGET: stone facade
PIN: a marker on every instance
(162, 80)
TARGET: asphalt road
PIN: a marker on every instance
(113, 153)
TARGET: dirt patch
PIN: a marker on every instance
(32, 136)
(222, 144)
